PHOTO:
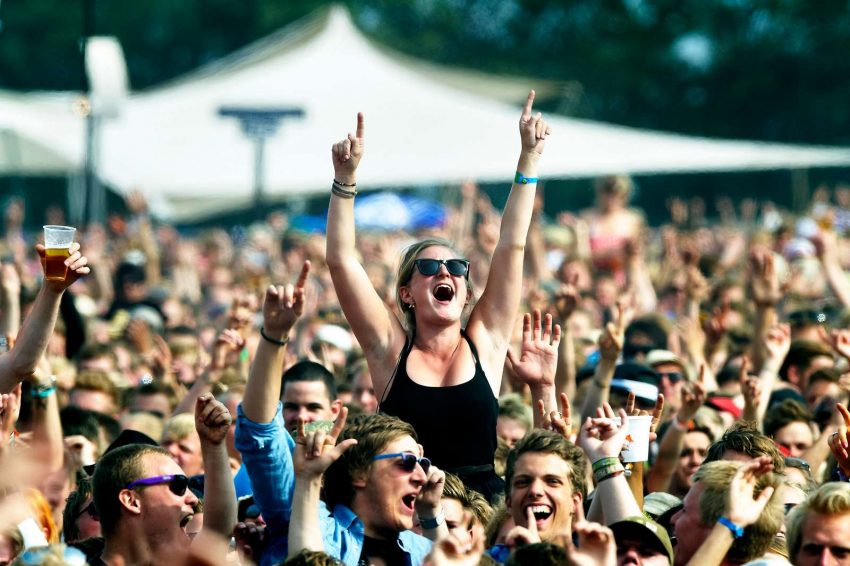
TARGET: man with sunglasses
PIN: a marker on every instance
(673, 375)
(144, 502)
(374, 480)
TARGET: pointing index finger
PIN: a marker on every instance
(302, 278)
(527, 110)
(361, 127)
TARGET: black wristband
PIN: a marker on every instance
(268, 338)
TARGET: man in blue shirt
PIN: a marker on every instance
(267, 448)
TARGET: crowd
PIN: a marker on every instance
(468, 394)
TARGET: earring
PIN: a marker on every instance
(412, 305)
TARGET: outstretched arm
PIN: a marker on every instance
(281, 309)
(20, 362)
(493, 318)
(212, 420)
(375, 327)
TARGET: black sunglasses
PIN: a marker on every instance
(178, 484)
(429, 267)
(672, 376)
(408, 460)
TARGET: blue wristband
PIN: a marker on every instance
(521, 179)
(737, 531)
(43, 392)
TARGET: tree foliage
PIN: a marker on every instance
(761, 69)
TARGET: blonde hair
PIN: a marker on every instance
(405, 273)
(96, 380)
(179, 426)
(43, 514)
(831, 498)
(715, 478)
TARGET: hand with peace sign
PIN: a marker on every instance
(612, 338)
(346, 154)
(532, 128)
(283, 305)
(316, 450)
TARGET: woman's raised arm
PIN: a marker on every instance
(376, 328)
(497, 309)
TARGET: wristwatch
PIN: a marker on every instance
(433, 522)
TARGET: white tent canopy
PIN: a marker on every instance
(172, 142)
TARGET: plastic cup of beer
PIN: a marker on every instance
(57, 244)
(636, 448)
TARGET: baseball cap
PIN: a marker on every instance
(636, 378)
(658, 357)
(641, 528)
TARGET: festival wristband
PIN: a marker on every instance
(737, 530)
(521, 179)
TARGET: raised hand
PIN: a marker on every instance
(602, 437)
(597, 546)
(764, 284)
(838, 340)
(742, 506)
(212, 419)
(692, 398)
(532, 129)
(538, 360)
(316, 450)
(567, 299)
(449, 551)
(283, 306)
(838, 442)
(76, 263)
(561, 422)
(612, 338)
(777, 343)
(523, 534)
(428, 500)
(227, 343)
(346, 154)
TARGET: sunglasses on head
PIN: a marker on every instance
(408, 460)
(429, 267)
(672, 376)
(178, 484)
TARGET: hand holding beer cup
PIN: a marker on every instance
(61, 258)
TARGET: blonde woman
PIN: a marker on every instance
(428, 370)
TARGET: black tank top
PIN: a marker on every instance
(456, 425)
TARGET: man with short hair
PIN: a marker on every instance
(706, 503)
(673, 374)
(545, 476)
(819, 527)
(374, 481)
(183, 442)
(789, 423)
(744, 443)
(143, 500)
(803, 359)
(309, 394)
(262, 433)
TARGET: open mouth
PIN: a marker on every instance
(444, 292)
(184, 522)
(408, 501)
(541, 512)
